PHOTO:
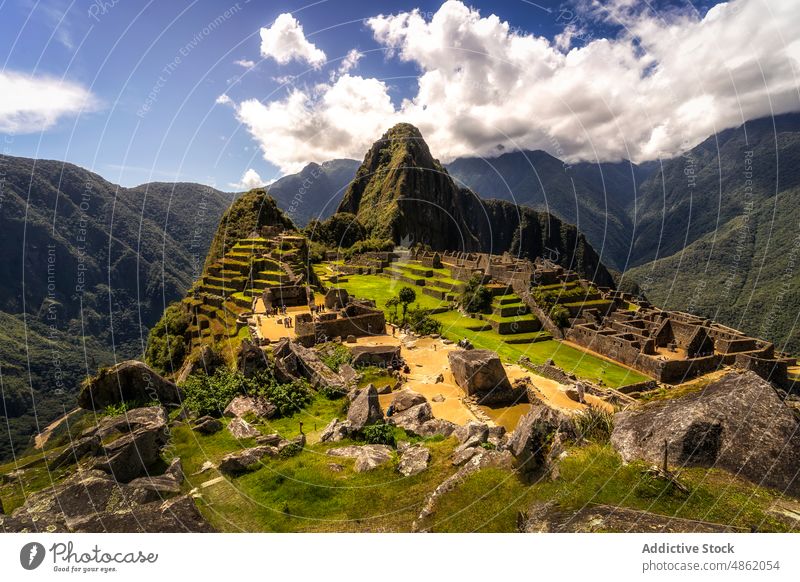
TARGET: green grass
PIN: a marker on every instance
(582, 364)
(381, 288)
(488, 501)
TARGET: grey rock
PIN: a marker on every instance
(335, 431)
(534, 441)
(365, 409)
(367, 457)
(438, 398)
(207, 425)
(414, 460)
(241, 429)
(135, 454)
(406, 399)
(241, 461)
(242, 406)
(72, 453)
(462, 455)
(272, 440)
(481, 374)
(737, 423)
(129, 381)
(472, 430)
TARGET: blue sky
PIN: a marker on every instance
(152, 76)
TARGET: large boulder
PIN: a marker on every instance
(207, 425)
(311, 367)
(130, 381)
(75, 451)
(241, 429)
(419, 421)
(381, 356)
(738, 423)
(480, 373)
(367, 457)
(242, 406)
(335, 431)
(414, 460)
(406, 399)
(136, 453)
(241, 461)
(536, 440)
(365, 409)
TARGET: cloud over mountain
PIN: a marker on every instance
(663, 82)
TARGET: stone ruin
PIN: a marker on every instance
(356, 318)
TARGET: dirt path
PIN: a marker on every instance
(41, 439)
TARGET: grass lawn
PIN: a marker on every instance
(488, 501)
(381, 288)
(582, 364)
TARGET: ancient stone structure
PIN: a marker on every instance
(357, 318)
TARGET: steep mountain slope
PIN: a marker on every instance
(92, 265)
(744, 274)
(720, 179)
(401, 192)
(594, 197)
(314, 192)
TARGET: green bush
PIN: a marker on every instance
(205, 394)
(379, 434)
(420, 321)
(476, 297)
(368, 245)
(559, 315)
(288, 398)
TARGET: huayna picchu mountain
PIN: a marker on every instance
(402, 193)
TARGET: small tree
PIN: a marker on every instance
(393, 303)
(476, 297)
(407, 296)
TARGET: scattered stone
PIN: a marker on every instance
(438, 398)
(175, 470)
(382, 356)
(402, 446)
(335, 431)
(367, 457)
(737, 423)
(129, 381)
(406, 399)
(241, 429)
(241, 461)
(206, 466)
(387, 389)
(351, 339)
(207, 425)
(414, 460)
(241, 406)
(148, 489)
(472, 430)
(348, 374)
(365, 409)
(272, 440)
(439, 379)
(336, 467)
(462, 455)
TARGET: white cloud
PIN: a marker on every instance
(250, 179)
(350, 61)
(246, 63)
(223, 100)
(30, 104)
(285, 41)
(666, 82)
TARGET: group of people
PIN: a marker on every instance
(275, 311)
(317, 308)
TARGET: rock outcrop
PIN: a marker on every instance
(310, 366)
(365, 409)
(241, 429)
(480, 374)
(537, 440)
(367, 457)
(406, 399)
(419, 421)
(738, 423)
(241, 461)
(242, 406)
(129, 381)
(414, 460)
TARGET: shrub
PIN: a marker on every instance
(368, 245)
(476, 297)
(406, 296)
(594, 424)
(288, 398)
(205, 394)
(379, 434)
(420, 321)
